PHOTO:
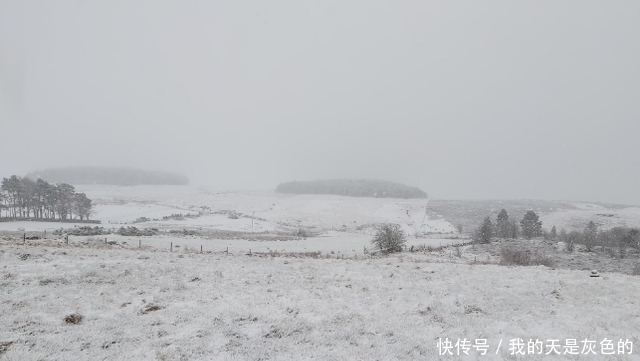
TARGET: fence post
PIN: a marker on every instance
(227, 250)
(139, 243)
(24, 238)
(200, 248)
(171, 247)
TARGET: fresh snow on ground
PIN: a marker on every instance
(159, 298)
(38, 226)
(323, 212)
(160, 305)
(340, 243)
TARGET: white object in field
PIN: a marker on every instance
(21, 229)
(594, 273)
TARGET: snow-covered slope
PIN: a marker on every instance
(324, 212)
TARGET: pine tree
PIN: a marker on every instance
(514, 230)
(486, 230)
(531, 225)
(502, 224)
(590, 235)
(554, 233)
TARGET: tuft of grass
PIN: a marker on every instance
(458, 251)
(150, 308)
(48, 281)
(73, 319)
(4, 346)
(468, 310)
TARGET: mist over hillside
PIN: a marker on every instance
(352, 188)
(119, 176)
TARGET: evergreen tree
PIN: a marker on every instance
(554, 234)
(514, 230)
(486, 230)
(502, 224)
(590, 235)
(531, 225)
(25, 198)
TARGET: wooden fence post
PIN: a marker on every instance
(171, 247)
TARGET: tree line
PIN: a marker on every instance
(530, 226)
(22, 197)
(352, 188)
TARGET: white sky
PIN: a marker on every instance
(475, 99)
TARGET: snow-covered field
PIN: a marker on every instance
(324, 212)
(150, 303)
(160, 305)
(343, 224)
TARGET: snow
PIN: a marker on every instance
(604, 217)
(324, 212)
(342, 305)
(348, 244)
(38, 226)
(124, 213)
(239, 307)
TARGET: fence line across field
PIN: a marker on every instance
(424, 248)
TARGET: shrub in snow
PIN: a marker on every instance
(135, 232)
(514, 257)
(74, 318)
(389, 238)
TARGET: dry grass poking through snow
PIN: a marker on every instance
(146, 305)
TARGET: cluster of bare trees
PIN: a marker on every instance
(619, 238)
(22, 197)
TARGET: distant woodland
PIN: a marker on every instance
(352, 188)
(109, 176)
(24, 198)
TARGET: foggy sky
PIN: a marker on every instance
(475, 99)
